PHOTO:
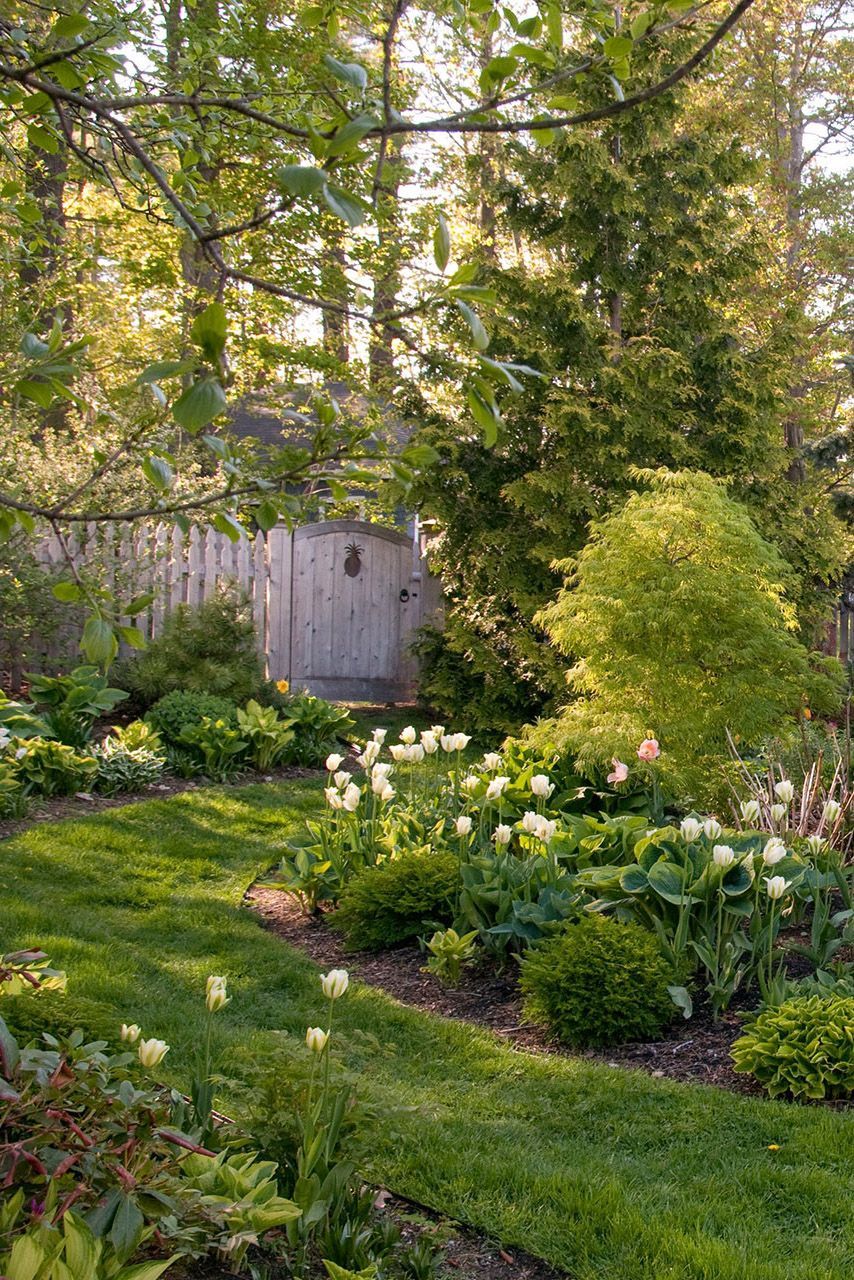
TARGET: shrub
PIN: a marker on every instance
(49, 768)
(70, 704)
(268, 737)
(392, 902)
(805, 1047)
(318, 725)
(597, 983)
(217, 746)
(678, 626)
(211, 649)
(183, 708)
(121, 768)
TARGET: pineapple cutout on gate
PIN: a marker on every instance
(353, 562)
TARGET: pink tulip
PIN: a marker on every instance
(621, 771)
(649, 749)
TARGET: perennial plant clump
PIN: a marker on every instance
(803, 1047)
(391, 903)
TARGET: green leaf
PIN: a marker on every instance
(554, 23)
(42, 138)
(668, 880)
(67, 592)
(138, 604)
(98, 641)
(344, 206)
(69, 26)
(420, 455)
(157, 472)
(501, 67)
(641, 24)
(301, 179)
(39, 392)
(132, 636)
(618, 46)
(209, 330)
(681, 997)
(165, 369)
(442, 244)
(266, 515)
(485, 416)
(128, 1225)
(474, 322)
(217, 446)
(348, 137)
(229, 526)
(350, 72)
(199, 404)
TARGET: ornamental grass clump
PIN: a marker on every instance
(803, 1047)
(597, 983)
(393, 902)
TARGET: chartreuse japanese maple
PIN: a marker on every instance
(676, 619)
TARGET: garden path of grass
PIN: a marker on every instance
(607, 1173)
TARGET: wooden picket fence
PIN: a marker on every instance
(338, 625)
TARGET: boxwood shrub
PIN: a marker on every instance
(395, 901)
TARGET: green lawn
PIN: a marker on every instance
(607, 1173)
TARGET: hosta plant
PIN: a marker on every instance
(217, 746)
(449, 953)
(71, 704)
(803, 1047)
(121, 768)
(268, 736)
(47, 767)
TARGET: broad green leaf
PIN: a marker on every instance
(138, 604)
(98, 641)
(420, 455)
(266, 516)
(127, 1228)
(165, 369)
(668, 880)
(228, 525)
(474, 322)
(199, 404)
(69, 26)
(350, 72)
(67, 592)
(641, 24)
(348, 137)
(42, 138)
(501, 67)
(157, 472)
(132, 636)
(485, 417)
(681, 997)
(301, 179)
(81, 1248)
(39, 392)
(209, 330)
(442, 243)
(554, 23)
(618, 46)
(345, 206)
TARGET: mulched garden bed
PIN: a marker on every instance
(696, 1050)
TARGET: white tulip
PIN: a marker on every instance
(379, 736)
(463, 825)
(216, 997)
(832, 810)
(379, 782)
(130, 1033)
(815, 844)
(723, 856)
(316, 1038)
(398, 751)
(496, 787)
(544, 830)
(541, 786)
(750, 811)
(437, 730)
(152, 1052)
(386, 793)
(446, 742)
(502, 834)
(351, 797)
(334, 983)
(415, 754)
(784, 791)
(470, 784)
(408, 735)
(690, 829)
(530, 821)
(774, 852)
(369, 755)
(491, 761)
(461, 741)
(429, 742)
(779, 811)
(341, 778)
(776, 887)
(712, 829)
(334, 762)
(382, 770)
(333, 799)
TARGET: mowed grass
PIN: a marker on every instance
(606, 1173)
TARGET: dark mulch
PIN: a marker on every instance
(54, 808)
(696, 1050)
(463, 1254)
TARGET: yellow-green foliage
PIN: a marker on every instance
(676, 616)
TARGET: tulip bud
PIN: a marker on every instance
(541, 786)
(470, 784)
(496, 787)
(334, 983)
(815, 844)
(461, 741)
(544, 830)
(342, 777)
(333, 799)
(502, 834)
(415, 753)
(386, 792)
(832, 810)
(446, 742)
(379, 736)
(712, 829)
(334, 762)
(381, 770)
(398, 751)
(216, 997)
(130, 1033)
(776, 887)
(750, 811)
(491, 761)
(408, 735)
(779, 811)
(784, 791)
(463, 825)
(774, 852)
(152, 1052)
(530, 821)
(351, 798)
(316, 1038)
(429, 742)
(723, 856)
(690, 829)
(438, 730)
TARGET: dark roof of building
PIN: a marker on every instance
(277, 414)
